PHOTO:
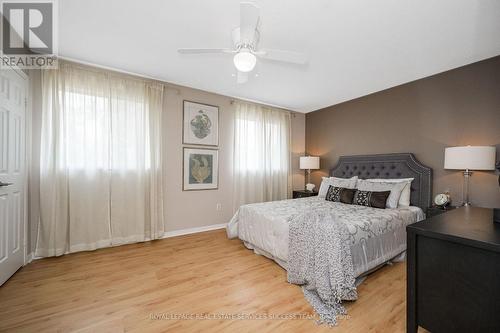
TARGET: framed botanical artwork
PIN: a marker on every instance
(201, 124)
(201, 169)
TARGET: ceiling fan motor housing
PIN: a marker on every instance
(238, 44)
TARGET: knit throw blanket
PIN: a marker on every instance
(319, 259)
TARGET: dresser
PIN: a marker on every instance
(453, 272)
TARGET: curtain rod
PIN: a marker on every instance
(233, 100)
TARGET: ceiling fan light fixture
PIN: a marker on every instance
(244, 61)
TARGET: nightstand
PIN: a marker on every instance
(304, 194)
(436, 210)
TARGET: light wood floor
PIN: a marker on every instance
(117, 289)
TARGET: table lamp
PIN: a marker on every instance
(469, 158)
(309, 163)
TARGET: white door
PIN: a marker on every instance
(12, 172)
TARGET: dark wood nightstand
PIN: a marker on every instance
(436, 210)
(304, 194)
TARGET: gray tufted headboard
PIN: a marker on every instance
(400, 165)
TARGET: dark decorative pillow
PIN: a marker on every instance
(340, 194)
(371, 199)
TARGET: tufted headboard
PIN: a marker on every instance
(400, 165)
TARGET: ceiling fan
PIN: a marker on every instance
(245, 45)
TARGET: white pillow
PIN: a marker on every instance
(337, 182)
(404, 200)
(395, 188)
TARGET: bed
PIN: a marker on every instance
(263, 227)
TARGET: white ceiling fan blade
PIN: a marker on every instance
(241, 77)
(249, 19)
(204, 51)
(283, 56)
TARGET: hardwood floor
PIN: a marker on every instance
(120, 289)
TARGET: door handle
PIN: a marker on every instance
(4, 184)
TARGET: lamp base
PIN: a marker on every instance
(467, 174)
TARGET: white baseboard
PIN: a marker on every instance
(29, 258)
(188, 231)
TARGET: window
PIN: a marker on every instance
(101, 133)
(261, 154)
(100, 160)
(256, 145)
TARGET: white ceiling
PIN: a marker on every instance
(354, 47)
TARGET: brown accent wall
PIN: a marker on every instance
(454, 108)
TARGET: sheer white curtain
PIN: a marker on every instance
(261, 154)
(100, 167)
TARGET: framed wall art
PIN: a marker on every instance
(201, 169)
(201, 124)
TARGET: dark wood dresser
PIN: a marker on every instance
(453, 272)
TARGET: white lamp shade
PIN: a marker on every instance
(309, 162)
(470, 158)
(244, 61)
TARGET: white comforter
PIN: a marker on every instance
(376, 235)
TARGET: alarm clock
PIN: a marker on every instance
(442, 200)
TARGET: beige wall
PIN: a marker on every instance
(183, 209)
(188, 209)
(458, 107)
